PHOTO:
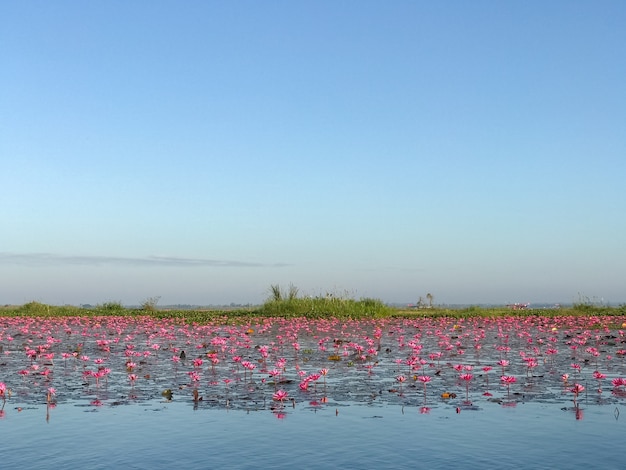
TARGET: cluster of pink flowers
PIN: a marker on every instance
(396, 350)
(304, 384)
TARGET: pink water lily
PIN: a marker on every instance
(280, 396)
(407, 347)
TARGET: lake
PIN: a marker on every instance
(360, 414)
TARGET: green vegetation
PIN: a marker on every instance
(150, 304)
(288, 304)
(292, 306)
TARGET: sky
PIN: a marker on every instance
(201, 151)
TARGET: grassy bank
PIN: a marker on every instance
(309, 307)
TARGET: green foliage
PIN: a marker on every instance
(113, 306)
(35, 309)
(289, 305)
(278, 295)
(38, 309)
(586, 306)
(150, 304)
(292, 306)
(275, 293)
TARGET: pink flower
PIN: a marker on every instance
(508, 380)
(577, 388)
(280, 396)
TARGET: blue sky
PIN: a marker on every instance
(201, 151)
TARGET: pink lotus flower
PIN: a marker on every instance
(618, 382)
(508, 380)
(576, 389)
(280, 396)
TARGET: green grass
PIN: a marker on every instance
(325, 307)
(291, 306)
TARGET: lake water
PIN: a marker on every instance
(357, 416)
(174, 435)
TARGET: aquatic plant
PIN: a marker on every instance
(424, 379)
(508, 380)
(100, 353)
(576, 390)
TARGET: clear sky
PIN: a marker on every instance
(203, 150)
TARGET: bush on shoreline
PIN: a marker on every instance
(308, 307)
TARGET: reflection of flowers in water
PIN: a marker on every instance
(280, 414)
(579, 413)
